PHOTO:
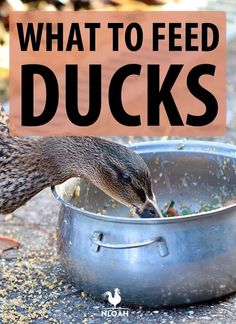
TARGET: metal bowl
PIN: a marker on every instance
(157, 262)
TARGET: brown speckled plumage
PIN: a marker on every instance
(21, 168)
(28, 165)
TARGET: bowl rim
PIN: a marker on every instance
(173, 146)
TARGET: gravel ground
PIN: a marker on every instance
(34, 287)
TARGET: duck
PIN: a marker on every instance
(31, 164)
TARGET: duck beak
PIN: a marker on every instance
(149, 210)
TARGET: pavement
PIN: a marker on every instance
(34, 287)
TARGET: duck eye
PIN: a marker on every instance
(126, 177)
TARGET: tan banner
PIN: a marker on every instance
(117, 73)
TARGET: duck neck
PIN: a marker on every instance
(68, 157)
(34, 164)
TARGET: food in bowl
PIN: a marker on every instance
(170, 211)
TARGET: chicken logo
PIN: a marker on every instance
(113, 300)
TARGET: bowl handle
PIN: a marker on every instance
(96, 239)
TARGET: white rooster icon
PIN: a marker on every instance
(113, 300)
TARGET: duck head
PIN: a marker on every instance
(123, 175)
(115, 169)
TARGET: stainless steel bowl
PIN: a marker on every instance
(156, 262)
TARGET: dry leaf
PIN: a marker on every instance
(7, 243)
